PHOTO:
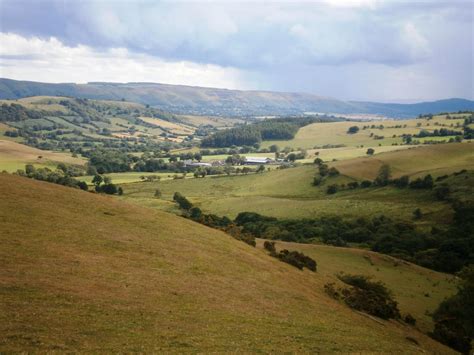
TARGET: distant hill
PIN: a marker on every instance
(222, 102)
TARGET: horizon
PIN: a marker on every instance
(394, 101)
(328, 48)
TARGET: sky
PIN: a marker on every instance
(374, 50)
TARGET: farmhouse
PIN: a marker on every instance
(257, 160)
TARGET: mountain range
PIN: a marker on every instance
(223, 102)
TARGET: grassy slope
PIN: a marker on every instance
(87, 272)
(418, 291)
(289, 193)
(435, 159)
(14, 156)
(319, 134)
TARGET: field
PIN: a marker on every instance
(288, 193)
(14, 156)
(115, 277)
(320, 134)
(417, 290)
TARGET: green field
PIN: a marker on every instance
(288, 193)
(320, 134)
(418, 291)
(82, 272)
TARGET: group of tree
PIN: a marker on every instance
(250, 134)
(103, 184)
(59, 176)
(211, 220)
(367, 296)
(454, 318)
(443, 250)
(294, 258)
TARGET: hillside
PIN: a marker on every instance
(83, 272)
(289, 193)
(211, 101)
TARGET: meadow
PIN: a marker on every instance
(289, 193)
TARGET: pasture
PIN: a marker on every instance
(418, 291)
(320, 134)
(14, 156)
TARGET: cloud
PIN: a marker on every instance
(425, 47)
(50, 60)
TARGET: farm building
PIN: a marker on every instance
(195, 163)
(257, 160)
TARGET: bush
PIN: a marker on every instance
(182, 201)
(332, 189)
(369, 297)
(353, 130)
(366, 183)
(297, 259)
(409, 319)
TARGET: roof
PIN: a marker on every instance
(257, 159)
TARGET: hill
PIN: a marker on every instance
(211, 101)
(83, 272)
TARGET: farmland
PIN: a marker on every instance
(288, 193)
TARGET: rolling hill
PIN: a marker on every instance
(212, 101)
(84, 272)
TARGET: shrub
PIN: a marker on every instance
(366, 183)
(369, 297)
(270, 246)
(332, 189)
(353, 130)
(182, 201)
(409, 319)
(297, 259)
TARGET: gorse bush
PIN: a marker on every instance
(369, 296)
(294, 258)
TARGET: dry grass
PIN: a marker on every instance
(82, 272)
(14, 156)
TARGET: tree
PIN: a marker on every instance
(353, 130)
(333, 172)
(97, 180)
(454, 318)
(291, 157)
(120, 191)
(274, 148)
(261, 169)
(318, 161)
(370, 151)
(383, 176)
(182, 201)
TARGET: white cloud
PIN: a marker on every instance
(49, 60)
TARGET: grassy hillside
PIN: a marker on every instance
(212, 101)
(418, 291)
(435, 159)
(82, 272)
(289, 193)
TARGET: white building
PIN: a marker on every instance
(258, 160)
(195, 163)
